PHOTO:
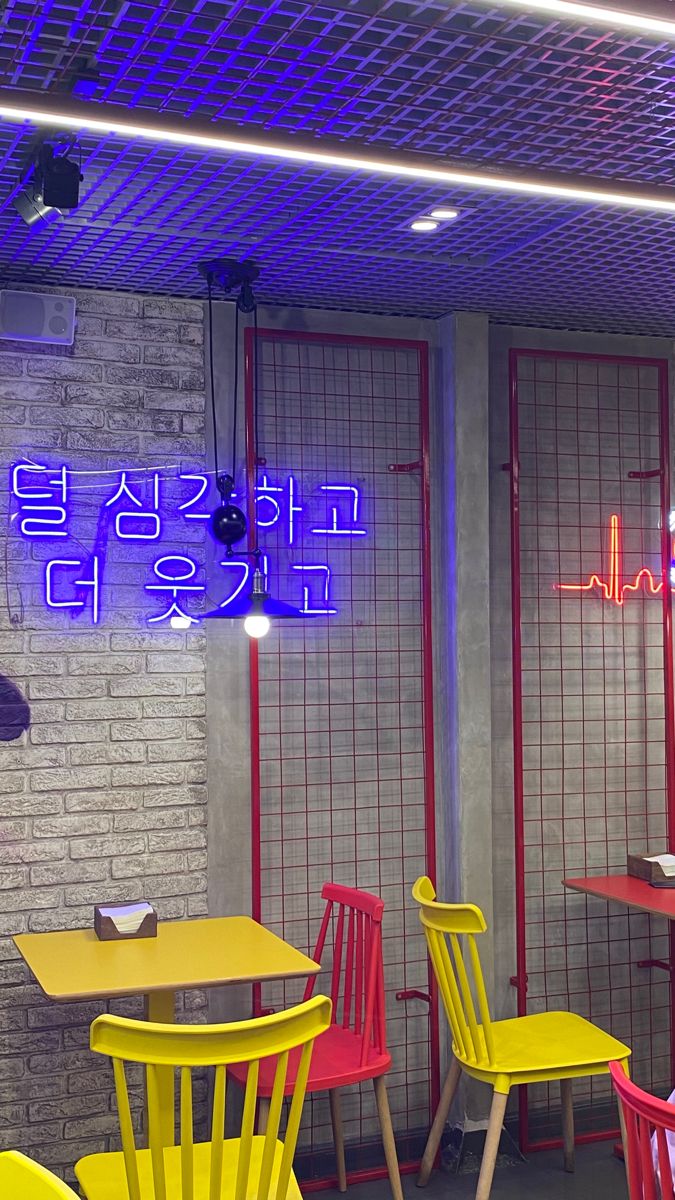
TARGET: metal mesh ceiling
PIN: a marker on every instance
(459, 80)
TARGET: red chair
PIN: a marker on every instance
(354, 1047)
(641, 1116)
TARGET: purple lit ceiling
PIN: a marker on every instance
(490, 88)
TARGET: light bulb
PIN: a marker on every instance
(424, 225)
(444, 214)
(257, 625)
(178, 622)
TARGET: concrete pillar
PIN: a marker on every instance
(461, 541)
(227, 698)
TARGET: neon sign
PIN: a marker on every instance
(138, 526)
(614, 588)
(78, 602)
(147, 506)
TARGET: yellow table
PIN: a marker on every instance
(75, 965)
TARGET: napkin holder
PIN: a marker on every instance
(107, 931)
(640, 867)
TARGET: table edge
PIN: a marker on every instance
(308, 968)
(67, 997)
(193, 985)
(589, 891)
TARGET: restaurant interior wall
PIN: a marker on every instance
(118, 799)
(562, 970)
(105, 798)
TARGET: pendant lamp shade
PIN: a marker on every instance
(257, 608)
(255, 605)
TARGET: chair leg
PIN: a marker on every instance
(567, 1123)
(436, 1131)
(338, 1137)
(388, 1137)
(263, 1113)
(494, 1132)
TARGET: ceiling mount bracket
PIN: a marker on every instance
(228, 273)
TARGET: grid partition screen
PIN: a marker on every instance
(341, 713)
(592, 701)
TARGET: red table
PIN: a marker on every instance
(626, 889)
(637, 893)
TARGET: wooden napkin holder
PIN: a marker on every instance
(106, 930)
(652, 872)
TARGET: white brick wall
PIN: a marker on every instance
(104, 799)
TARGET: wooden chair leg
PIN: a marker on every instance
(388, 1137)
(338, 1138)
(263, 1113)
(436, 1131)
(494, 1132)
(567, 1123)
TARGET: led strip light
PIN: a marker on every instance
(615, 17)
(43, 110)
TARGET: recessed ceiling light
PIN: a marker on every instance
(219, 137)
(444, 214)
(593, 14)
(424, 225)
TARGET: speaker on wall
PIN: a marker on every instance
(33, 317)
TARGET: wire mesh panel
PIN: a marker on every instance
(592, 717)
(341, 712)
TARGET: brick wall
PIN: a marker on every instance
(104, 798)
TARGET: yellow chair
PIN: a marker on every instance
(23, 1179)
(244, 1168)
(532, 1049)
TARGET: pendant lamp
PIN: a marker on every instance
(228, 524)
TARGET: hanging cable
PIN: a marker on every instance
(209, 282)
(235, 389)
(255, 384)
(227, 522)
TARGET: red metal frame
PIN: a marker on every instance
(520, 980)
(421, 349)
(669, 679)
(254, 674)
(516, 648)
(428, 693)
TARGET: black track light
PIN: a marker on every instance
(59, 177)
(52, 183)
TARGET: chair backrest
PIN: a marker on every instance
(452, 927)
(649, 1167)
(23, 1179)
(357, 976)
(185, 1047)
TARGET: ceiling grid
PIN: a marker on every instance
(457, 80)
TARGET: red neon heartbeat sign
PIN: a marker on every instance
(612, 588)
